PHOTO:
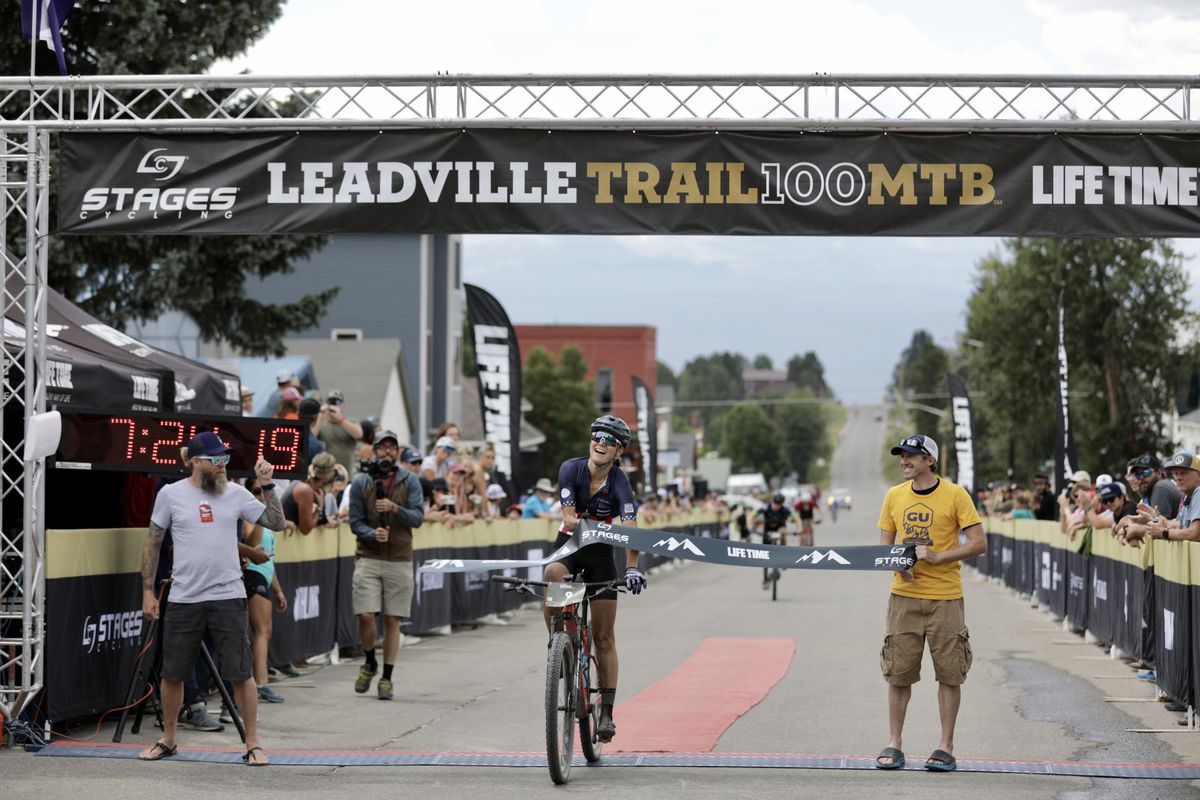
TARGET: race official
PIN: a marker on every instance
(384, 508)
(926, 603)
(207, 595)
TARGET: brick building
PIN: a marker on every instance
(613, 353)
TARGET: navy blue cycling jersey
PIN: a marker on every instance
(775, 519)
(615, 498)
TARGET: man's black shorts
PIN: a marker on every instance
(184, 626)
(593, 564)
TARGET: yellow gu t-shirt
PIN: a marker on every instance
(938, 515)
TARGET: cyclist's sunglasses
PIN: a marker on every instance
(216, 461)
(605, 439)
(913, 441)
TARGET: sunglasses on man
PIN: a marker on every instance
(216, 461)
(605, 439)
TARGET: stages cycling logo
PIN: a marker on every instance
(112, 631)
(152, 202)
(166, 167)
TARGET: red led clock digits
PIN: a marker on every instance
(177, 442)
(292, 450)
(132, 430)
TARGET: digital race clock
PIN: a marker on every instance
(138, 441)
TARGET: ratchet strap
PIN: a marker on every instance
(695, 548)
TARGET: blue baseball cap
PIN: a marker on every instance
(917, 444)
(206, 443)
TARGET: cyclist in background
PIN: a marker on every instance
(594, 487)
(774, 518)
(807, 508)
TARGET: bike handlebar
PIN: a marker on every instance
(526, 582)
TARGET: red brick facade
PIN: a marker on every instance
(627, 350)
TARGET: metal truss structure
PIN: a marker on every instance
(30, 109)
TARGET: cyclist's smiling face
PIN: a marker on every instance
(603, 450)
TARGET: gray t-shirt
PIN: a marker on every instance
(1166, 497)
(204, 527)
(439, 470)
(1190, 511)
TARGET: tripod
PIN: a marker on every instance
(150, 672)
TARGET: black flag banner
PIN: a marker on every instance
(498, 361)
(697, 548)
(647, 433)
(964, 433)
(1065, 461)
(614, 181)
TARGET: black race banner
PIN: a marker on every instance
(630, 182)
(964, 434)
(696, 548)
(498, 362)
(647, 433)
(1065, 460)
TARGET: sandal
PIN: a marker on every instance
(159, 751)
(940, 761)
(895, 754)
(251, 763)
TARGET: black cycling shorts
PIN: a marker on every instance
(593, 564)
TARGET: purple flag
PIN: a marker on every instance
(47, 17)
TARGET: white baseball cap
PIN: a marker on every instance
(284, 376)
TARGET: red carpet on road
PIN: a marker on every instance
(687, 711)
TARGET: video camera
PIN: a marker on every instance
(378, 468)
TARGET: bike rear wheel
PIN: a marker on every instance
(588, 722)
(774, 585)
(560, 707)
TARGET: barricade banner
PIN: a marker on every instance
(454, 180)
(1172, 618)
(1008, 565)
(1131, 597)
(1194, 609)
(309, 571)
(1041, 554)
(1079, 578)
(1022, 534)
(1106, 576)
(1058, 572)
(94, 620)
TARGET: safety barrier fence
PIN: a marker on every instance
(94, 624)
(1143, 601)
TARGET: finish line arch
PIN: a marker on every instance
(979, 155)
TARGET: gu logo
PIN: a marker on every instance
(917, 519)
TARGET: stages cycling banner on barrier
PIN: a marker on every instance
(695, 548)
(630, 182)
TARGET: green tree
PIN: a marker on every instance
(763, 361)
(717, 377)
(920, 377)
(122, 278)
(666, 375)
(563, 404)
(1126, 317)
(807, 372)
(752, 440)
(802, 431)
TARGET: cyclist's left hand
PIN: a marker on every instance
(635, 581)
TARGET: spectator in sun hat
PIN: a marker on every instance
(247, 401)
(495, 500)
(289, 403)
(538, 504)
(437, 464)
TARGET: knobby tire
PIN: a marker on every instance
(560, 707)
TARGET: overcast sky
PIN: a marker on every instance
(855, 301)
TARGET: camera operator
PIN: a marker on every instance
(203, 514)
(339, 433)
(385, 505)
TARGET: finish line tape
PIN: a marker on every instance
(695, 548)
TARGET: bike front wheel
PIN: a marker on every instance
(560, 707)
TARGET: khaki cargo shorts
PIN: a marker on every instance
(383, 587)
(910, 623)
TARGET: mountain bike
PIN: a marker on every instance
(572, 672)
(771, 575)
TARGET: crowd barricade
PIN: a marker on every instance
(1144, 601)
(94, 623)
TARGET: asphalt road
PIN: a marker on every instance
(1034, 694)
